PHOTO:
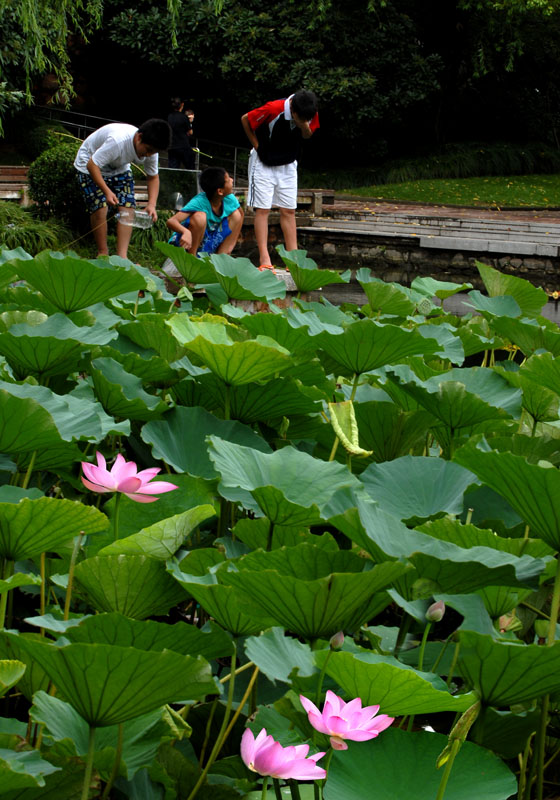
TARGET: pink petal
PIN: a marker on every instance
(355, 707)
(94, 487)
(338, 744)
(382, 722)
(361, 736)
(157, 487)
(147, 474)
(336, 725)
(271, 760)
(371, 711)
(129, 485)
(336, 702)
(139, 498)
(308, 705)
(98, 475)
(316, 720)
(123, 469)
(304, 769)
(101, 460)
(248, 746)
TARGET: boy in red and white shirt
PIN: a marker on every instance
(276, 131)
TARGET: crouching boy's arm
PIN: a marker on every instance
(153, 191)
(174, 224)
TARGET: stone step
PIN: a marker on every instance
(542, 233)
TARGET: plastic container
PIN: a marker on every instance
(135, 218)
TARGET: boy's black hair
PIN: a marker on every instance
(176, 103)
(212, 179)
(305, 104)
(156, 133)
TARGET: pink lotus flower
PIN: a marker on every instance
(267, 757)
(341, 720)
(124, 478)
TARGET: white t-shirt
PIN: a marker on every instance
(112, 149)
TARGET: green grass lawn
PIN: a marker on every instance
(534, 191)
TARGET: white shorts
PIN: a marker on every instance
(271, 186)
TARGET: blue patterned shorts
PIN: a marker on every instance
(122, 185)
(211, 239)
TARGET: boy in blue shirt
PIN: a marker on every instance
(210, 222)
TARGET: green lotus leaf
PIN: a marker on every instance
(141, 736)
(541, 403)
(71, 283)
(311, 591)
(366, 345)
(52, 347)
(544, 370)
(145, 364)
(34, 677)
(460, 398)
(19, 579)
(450, 567)
(527, 334)
(530, 489)
(164, 538)
(249, 403)
(255, 534)
(193, 269)
(149, 635)
(317, 321)
(121, 394)
(416, 487)
(277, 327)
(23, 770)
(387, 298)
(217, 599)
(277, 655)
(240, 280)
(235, 362)
(108, 684)
(394, 686)
(506, 306)
(476, 771)
(134, 516)
(499, 600)
(151, 333)
(180, 439)
(507, 673)
(430, 287)
(450, 346)
(11, 672)
(289, 486)
(389, 431)
(453, 530)
(306, 274)
(31, 527)
(134, 585)
(529, 298)
(476, 336)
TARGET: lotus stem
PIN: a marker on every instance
(541, 733)
(73, 560)
(523, 769)
(321, 678)
(241, 705)
(264, 787)
(334, 449)
(221, 735)
(238, 671)
(207, 731)
(6, 573)
(455, 747)
(440, 656)
(403, 630)
(27, 477)
(269, 537)
(227, 402)
(453, 663)
(116, 516)
(294, 789)
(468, 518)
(116, 764)
(43, 603)
(277, 792)
(423, 646)
(89, 763)
(355, 386)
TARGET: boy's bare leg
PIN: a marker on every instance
(99, 230)
(197, 226)
(261, 234)
(288, 225)
(124, 232)
(235, 221)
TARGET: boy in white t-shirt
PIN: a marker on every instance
(105, 177)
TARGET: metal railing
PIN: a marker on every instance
(207, 152)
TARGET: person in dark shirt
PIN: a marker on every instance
(180, 153)
(276, 131)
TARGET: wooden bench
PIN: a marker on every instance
(13, 184)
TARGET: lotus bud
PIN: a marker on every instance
(541, 628)
(337, 640)
(436, 611)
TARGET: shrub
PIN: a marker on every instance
(53, 184)
(20, 228)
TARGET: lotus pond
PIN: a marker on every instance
(307, 553)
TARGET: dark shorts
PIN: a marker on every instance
(211, 239)
(122, 185)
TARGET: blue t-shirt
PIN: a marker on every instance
(200, 202)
